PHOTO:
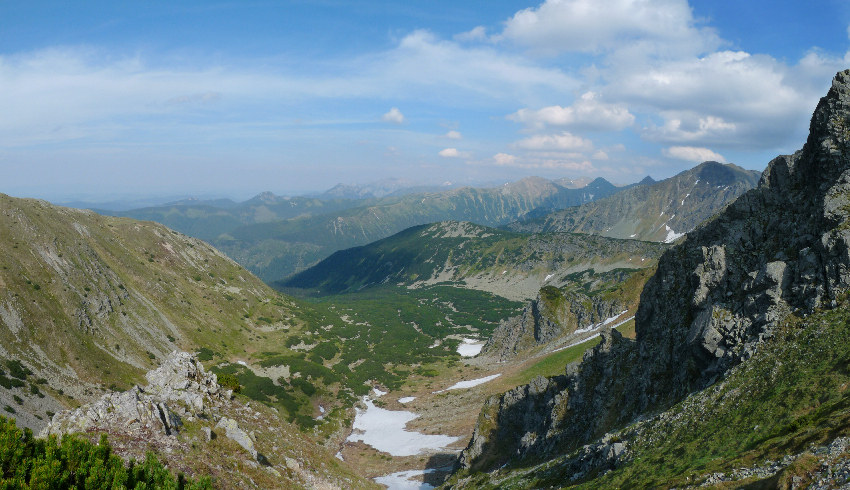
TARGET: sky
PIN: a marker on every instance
(103, 100)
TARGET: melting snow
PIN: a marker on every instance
(592, 336)
(471, 383)
(406, 399)
(469, 348)
(606, 321)
(385, 431)
(632, 236)
(549, 277)
(672, 236)
(402, 480)
(379, 392)
(683, 200)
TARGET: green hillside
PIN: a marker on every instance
(463, 254)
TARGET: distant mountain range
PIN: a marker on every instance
(657, 211)
(276, 236)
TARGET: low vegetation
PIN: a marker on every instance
(75, 463)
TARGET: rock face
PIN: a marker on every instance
(551, 317)
(180, 387)
(780, 249)
(578, 307)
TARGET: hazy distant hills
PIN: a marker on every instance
(657, 211)
(275, 250)
(276, 236)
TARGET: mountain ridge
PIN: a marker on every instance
(650, 210)
(778, 253)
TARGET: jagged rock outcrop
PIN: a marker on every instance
(780, 249)
(551, 317)
(179, 387)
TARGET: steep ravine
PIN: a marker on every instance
(782, 249)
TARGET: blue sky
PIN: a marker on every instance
(106, 99)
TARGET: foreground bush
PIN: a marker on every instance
(75, 463)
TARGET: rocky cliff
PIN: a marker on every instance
(581, 304)
(781, 249)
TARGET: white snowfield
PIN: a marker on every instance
(385, 431)
(471, 383)
(469, 348)
(406, 399)
(402, 480)
(672, 236)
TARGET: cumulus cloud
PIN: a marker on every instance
(573, 162)
(454, 153)
(504, 160)
(476, 34)
(453, 135)
(692, 154)
(563, 141)
(598, 25)
(726, 98)
(394, 116)
(599, 155)
(586, 113)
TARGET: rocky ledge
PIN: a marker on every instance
(178, 388)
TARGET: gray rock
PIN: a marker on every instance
(233, 432)
(180, 384)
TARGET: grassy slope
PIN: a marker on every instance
(790, 396)
(458, 252)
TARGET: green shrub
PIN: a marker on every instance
(205, 354)
(230, 381)
(17, 370)
(75, 463)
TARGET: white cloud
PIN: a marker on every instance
(563, 141)
(394, 116)
(686, 127)
(476, 34)
(586, 113)
(574, 162)
(598, 25)
(453, 135)
(504, 160)
(599, 155)
(692, 154)
(454, 153)
(732, 99)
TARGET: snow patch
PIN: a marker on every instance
(378, 392)
(402, 480)
(471, 383)
(672, 236)
(550, 276)
(406, 399)
(385, 431)
(469, 348)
